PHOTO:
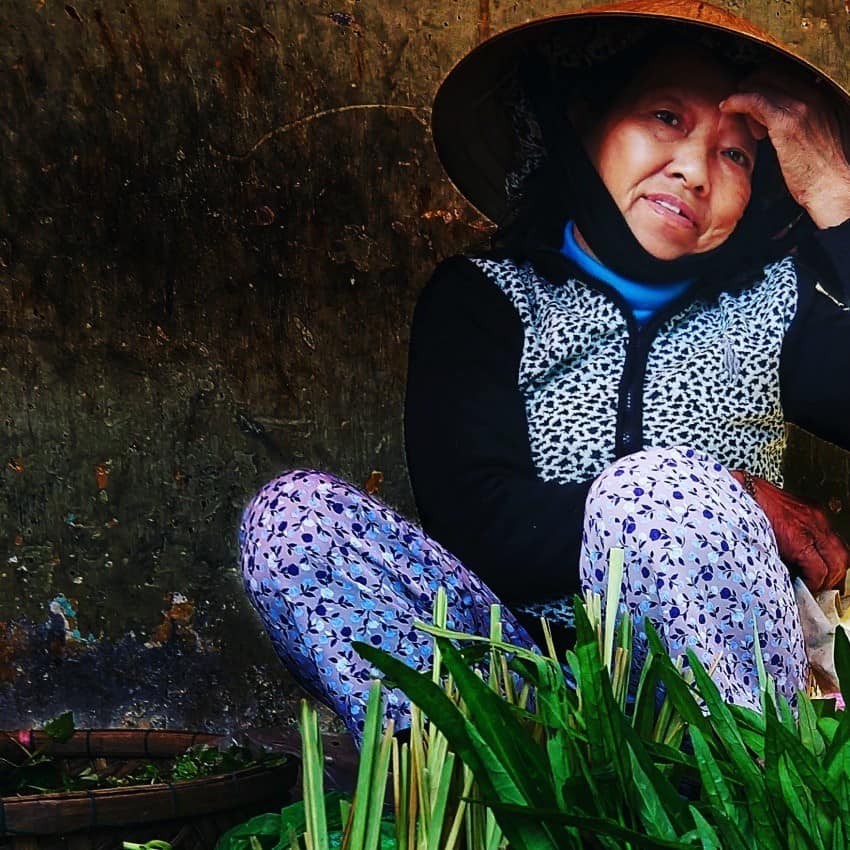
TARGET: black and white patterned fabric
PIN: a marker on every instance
(711, 375)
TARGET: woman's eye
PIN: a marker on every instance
(667, 117)
(738, 157)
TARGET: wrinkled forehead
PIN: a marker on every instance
(692, 71)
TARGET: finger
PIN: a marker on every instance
(767, 110)
(756, 129)
(838, 581)
(811, 566)
(790, 111)
(836, 557)
(757, 107)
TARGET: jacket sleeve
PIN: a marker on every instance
(815, 365)
(467, 443)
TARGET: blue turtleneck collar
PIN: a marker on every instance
(645, 299)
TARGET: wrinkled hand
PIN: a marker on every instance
(807, 545)
(802, 125)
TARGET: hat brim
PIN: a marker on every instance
(472, 124)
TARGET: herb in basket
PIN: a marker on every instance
(40, 771)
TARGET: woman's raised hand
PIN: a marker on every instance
(807, 545)
(804, 130)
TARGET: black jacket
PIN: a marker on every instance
(476, 486)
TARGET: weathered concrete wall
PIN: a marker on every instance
(214, 220)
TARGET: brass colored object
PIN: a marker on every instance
(472, 122)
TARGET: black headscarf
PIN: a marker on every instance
(568, 187)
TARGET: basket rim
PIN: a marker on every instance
(149, 788)
(57, 812)
(129, 743)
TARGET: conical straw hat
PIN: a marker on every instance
(474, 119)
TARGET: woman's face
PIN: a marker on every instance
(678, 169)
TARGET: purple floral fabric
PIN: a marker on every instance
(325, 564)
(701, 564)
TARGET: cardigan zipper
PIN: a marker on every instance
(629, 437)
(629, 429)
(630, 416)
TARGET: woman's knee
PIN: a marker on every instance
(675, 501)
(295, 486)
(684, 463)
(676, 481)
(278, 511)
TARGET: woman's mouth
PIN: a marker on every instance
(672, 209)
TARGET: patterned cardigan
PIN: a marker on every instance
(525, 380)
(597, 385)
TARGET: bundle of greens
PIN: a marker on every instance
(503, 751)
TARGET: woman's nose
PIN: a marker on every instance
(690, 165)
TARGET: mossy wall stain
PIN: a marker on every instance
(214, 221)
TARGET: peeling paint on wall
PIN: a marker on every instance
(177, 625)
(64, 609)
(214, 221)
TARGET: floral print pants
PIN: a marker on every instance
(325, 564)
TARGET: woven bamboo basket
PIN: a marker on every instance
(191, 814)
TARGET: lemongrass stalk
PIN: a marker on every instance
(440, 615)
(508, 683)
(593, 608)
(588, 606)
(436, 752)
(419, 777)
(625, 634)
(495, 636)
(400, 793)
(493, 834)
(412, 798)
(436, 743)
(312, 769)
(398, 810)
(437, 746)
(548, 639)
(764, 685)
(436, 756)
(675, 732)
(354, 837)
(469, 828)
(499, 671)
(476, 821)
(377, 791)
(665, 716)
(413, 803)
(620, 676)
(460, 812)
(439, 804)
(714, 662)
(345, 813)
(436, 631)
(616, 561)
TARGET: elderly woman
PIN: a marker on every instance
(616, 372)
